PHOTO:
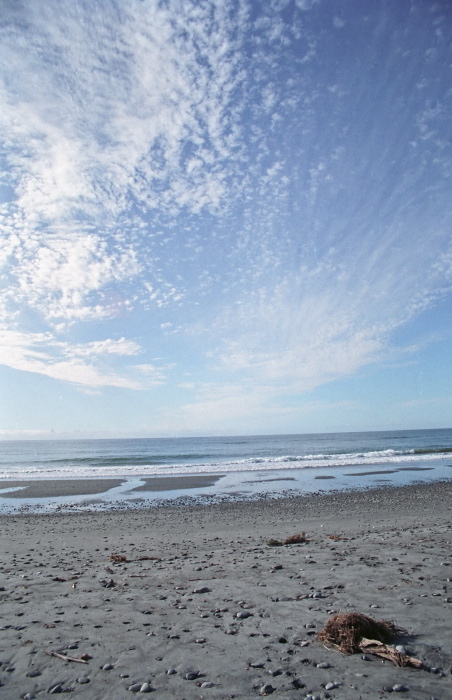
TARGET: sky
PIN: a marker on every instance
(224, 217)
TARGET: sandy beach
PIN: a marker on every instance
(191, 602)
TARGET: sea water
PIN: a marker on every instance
(248, 466)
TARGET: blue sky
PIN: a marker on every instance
(225, 217)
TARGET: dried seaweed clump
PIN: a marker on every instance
(300, 538)
(346, 631)
(117, 557)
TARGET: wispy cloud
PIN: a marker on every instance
(42, 354)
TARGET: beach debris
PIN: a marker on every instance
(66, 658)
(299, 538)
(59, 579)
(118, 558)
(354, 633)
(122, 559)
(337, 538)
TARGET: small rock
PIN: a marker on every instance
(399, 688)
(33, 673)
(54, 689)
(83, 680)
(266, 689)
(243, 614)
(171, 671)
(401, 649)
(204, 589)
(324, 664)
(146, 688)
(331, 686)
(135, 687)
(107, 667)
(207, 684)
(191, 675)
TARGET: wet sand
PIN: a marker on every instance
(195, 604)
(175, 483)
(45, 488)
(57, 488)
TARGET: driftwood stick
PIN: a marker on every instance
(66, 658)
(372, 646)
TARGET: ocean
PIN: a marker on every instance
(248, 466)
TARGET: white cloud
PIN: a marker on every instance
(108, 347)
(41, 354)
(155, 375)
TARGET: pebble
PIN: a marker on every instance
(191, 675)
(207, 684)
(34, 673)
(107, 667)
(266, 689)
(330, 686)
(135, 687)
(243, 614)
(83, 680)
(58, 688)
(324, 664)
(204, 589)
(171, 671)
(401, 649)
(399, 688)
(146, 688)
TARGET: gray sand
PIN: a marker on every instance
(220, 604)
